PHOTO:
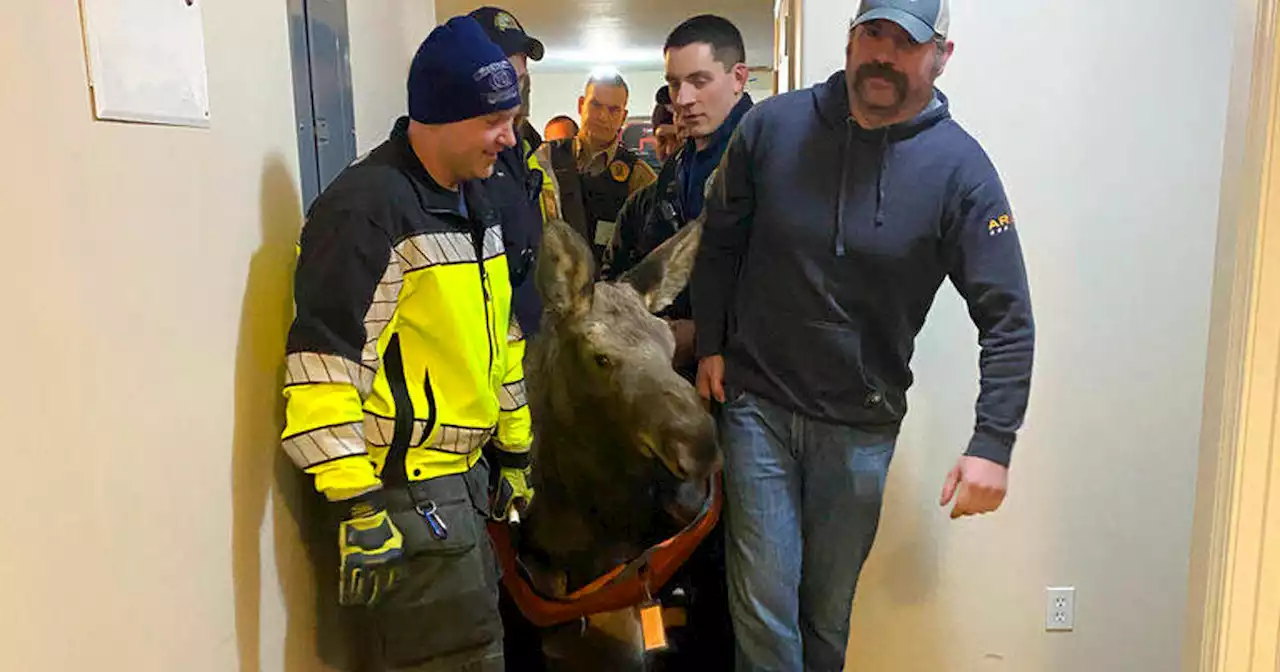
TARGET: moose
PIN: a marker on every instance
(624, 452)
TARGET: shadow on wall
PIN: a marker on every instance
(311, 618)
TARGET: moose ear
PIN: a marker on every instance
(662, 275)
(565, 272)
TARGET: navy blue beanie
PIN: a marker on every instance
(458, 73)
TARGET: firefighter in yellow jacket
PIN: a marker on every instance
(404, 363)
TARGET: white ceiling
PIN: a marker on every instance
(582, 34)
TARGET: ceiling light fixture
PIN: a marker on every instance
(606, 57)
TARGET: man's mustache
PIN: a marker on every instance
(883, 71)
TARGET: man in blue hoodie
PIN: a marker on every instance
(836, 215)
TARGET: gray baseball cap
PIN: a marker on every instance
(922, 19)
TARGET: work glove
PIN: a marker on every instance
(512, 486)
(370, 547)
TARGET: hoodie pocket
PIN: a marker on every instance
(841, 373)
(851, 385)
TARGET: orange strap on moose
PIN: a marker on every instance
(624, 587)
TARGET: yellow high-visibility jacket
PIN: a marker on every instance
(549, 198)
(532, 148)
(403, 360)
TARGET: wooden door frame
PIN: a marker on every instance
(1233, 608)
(788, 17)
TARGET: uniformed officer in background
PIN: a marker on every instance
(594, 172)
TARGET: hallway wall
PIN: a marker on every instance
(151, 520)
(385, 34)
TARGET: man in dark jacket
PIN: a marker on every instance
(518, 181)
(666, 135)
(832, 222)
(594, 172)
(622, 253)
(707, 76)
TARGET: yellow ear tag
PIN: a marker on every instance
(651, 625)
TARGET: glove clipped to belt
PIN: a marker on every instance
(512, 487)
(370, 548)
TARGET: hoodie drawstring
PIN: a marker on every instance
(845, 157)
(844, 182)
(884, 161)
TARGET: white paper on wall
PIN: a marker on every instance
(147, 61)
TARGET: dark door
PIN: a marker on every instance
(322, 91)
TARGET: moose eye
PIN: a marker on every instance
(603, 361)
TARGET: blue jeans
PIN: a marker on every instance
(801, 510)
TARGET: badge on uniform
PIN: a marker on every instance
(620, 171)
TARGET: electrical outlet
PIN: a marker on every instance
(1060, 609)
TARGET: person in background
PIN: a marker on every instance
(618, 257)
(524, 194)
(836, 215)
(706, 75)
(666, 132)
(561, 127)
(594, 173)
(520, 188)
(401, 272)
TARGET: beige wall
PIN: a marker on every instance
(1113, 163)
(384, 36)
(146, 277)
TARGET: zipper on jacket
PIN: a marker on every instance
(477, 242)
(488, 298)
(488, 318)
(393, 472)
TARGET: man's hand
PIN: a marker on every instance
(683, 332)
(370, 547)
(510, 482)
(512, 490)
(978, 486)
(711, 378)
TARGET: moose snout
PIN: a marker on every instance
(687, 437)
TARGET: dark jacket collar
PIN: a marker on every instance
(832, 100)
(529, 135)
(720, 138)
(675, 170)
(433, 197)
